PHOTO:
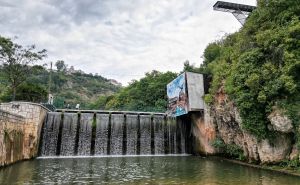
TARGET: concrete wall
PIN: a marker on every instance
(195, 89)
(20, 128)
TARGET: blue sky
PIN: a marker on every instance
(119, 39)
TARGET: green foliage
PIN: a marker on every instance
(259, 66)
(27, 92)
(208, 98)
(292, 164)
(187, 67)
(229, 150)
(67, 88)
(218, 143)
(211, 53)
(147, 94)
(16, 60)
(61, 66)
(100, 103)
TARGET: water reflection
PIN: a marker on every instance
(139, 170)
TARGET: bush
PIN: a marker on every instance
(259, 66)
(229, 150)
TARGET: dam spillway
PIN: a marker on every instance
(112, 133)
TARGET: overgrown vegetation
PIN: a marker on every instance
(291, 164)
(15, 62)
(67, 88)
(146, 94)
(229, 150)
(259, 66)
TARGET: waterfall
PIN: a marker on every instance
(158, 123)
(182, 136)
(102, 134)
(116, 140)
(145, 134)
(172, 136)
(68, 138)
(50, 134)
(84, 134)
(132, 134)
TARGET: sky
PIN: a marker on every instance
(118, 39)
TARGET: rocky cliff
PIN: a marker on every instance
(221, 121)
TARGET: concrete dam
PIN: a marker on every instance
(113, 133)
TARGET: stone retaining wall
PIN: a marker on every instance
(20, 127)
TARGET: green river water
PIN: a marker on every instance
(139, 170)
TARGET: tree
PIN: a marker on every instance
(146, 94)
(31, 92)
(187, 66)
(61, 66)
(211, 52)
(16, 60)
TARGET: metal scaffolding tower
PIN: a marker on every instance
(239, 11)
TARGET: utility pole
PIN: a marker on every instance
(50, 79)
(50, 97)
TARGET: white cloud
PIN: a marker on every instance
(116, 38)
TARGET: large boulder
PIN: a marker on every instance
(250, 147)
(275, 151)
(280, 122)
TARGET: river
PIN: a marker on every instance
(139, 170)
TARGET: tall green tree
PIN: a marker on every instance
(16, 60)
(146, 94)
(61, 66)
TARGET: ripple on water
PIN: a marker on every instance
(139, 170)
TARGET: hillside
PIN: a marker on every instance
(67, 87)
(258, 67)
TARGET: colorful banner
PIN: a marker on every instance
(177, 96)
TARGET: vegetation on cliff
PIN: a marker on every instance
(259, 66)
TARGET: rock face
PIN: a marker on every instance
(280, 122)
(223, 117)
(276, 152)
(204, 132)
(295, 154)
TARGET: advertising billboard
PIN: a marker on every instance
(177, 96)
(185, 93)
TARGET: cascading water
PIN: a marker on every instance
(145, 134)
(68, 136)
(158, 123)
(181, 130)
(85, 134)
(102, 137)
(88, 134)
(116, 140)
(172, 136)
(132, 134)
(50, 134)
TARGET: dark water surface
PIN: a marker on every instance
(139, 170)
